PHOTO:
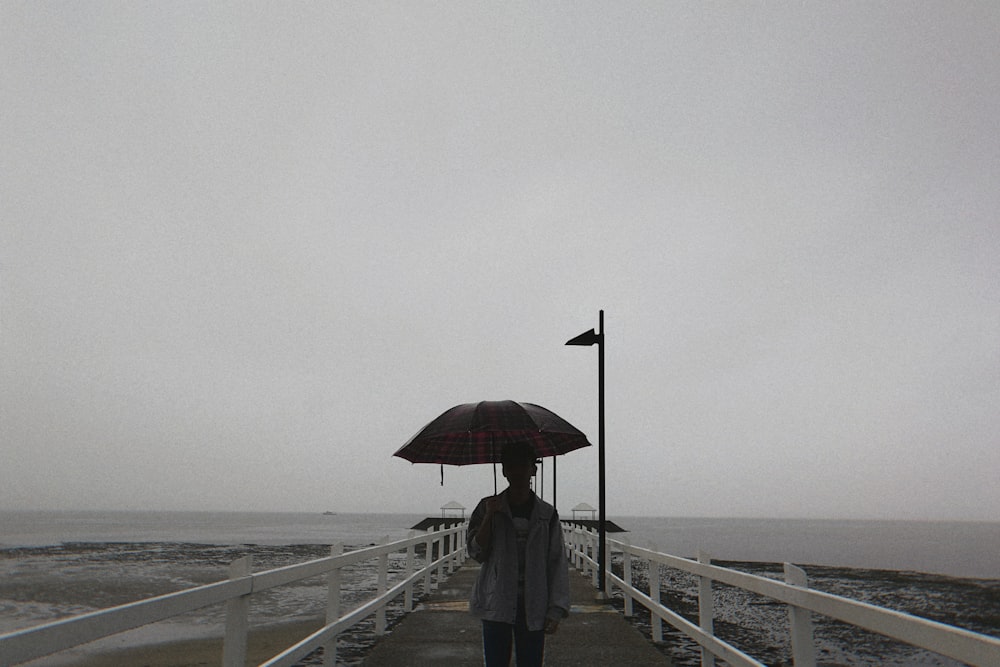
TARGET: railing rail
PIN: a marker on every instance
(964, 645)
(35, 642)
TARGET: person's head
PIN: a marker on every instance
(518, 460)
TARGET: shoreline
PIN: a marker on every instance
(968, 603)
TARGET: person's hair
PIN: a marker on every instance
(517, 452)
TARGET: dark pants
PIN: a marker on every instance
(529, 646)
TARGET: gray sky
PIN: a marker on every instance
(247, 251)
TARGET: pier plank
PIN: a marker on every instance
(442, 632)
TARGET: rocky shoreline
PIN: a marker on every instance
(43, 584)
(759, 626)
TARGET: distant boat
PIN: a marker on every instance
(329, 514)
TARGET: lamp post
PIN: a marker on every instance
(589, 338)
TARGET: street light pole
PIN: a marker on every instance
(602, 560)
(590, 338)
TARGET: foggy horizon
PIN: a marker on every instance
(246, 253)
(565, 514)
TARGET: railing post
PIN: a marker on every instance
(462, 552)
(607, 564)
(653, 572)
(332, 606)
(450, 539)
(234, 646)
(800, 620)
(383, 585)
(706, 609)
(586, 552)
(408, 596)
(440, 547)
(592, 553)
(428, 559)
(627, 576)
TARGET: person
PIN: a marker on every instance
(522, 591)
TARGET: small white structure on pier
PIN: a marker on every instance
(584, 507)
(453, 506)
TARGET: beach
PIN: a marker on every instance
(759, 626)
(44, 579)
(41, 584)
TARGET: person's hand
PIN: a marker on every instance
(551, 625)
(484, 534)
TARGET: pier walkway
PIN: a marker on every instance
(442, 632)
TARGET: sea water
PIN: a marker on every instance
(953, 548)
(22, 529)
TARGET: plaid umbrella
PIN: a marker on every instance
(476, 433)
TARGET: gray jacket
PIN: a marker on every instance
(546, 577)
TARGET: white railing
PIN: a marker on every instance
(449, 546)
(969, 647)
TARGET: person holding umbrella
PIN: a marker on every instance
(522, 591)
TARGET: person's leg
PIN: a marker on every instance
(496, 643)
(529, 647)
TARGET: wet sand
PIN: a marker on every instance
(39, 585)
(759, 625)
(262, 645)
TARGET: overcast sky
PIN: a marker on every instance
(246, 251)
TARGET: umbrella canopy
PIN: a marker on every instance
(476, 433)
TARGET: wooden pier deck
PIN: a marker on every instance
(442, 632)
